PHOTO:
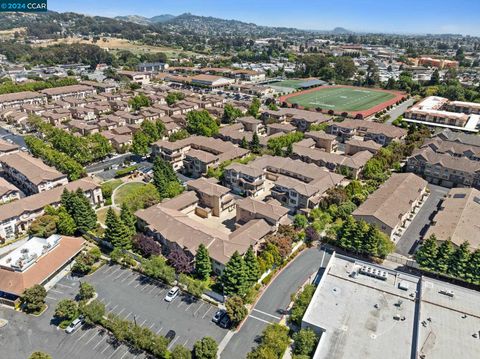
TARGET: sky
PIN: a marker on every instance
(387, 16)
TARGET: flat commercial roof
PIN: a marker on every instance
(357, 315)
(469, 127)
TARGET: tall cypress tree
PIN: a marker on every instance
(459, 261)
(84, 215)
(234, 276)
(255, 143)
(203, 264)
(251, 266)
(117, 232)
(244, 143)
(427, 253)
(128, 219)
(473, 269)
(444, 254)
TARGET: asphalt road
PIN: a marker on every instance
(399, 110)
(417, 229)
(274, 301)
(5, 134)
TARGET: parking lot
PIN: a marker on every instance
(416, 230)
(135, 297)
(127, 294)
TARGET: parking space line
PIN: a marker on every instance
(172, 342)
(201, 305)
(180, 304)
(86, 332)
(109, 269)
(150, 291)
(124, 354)
(160, 292)
(127, 316)
(116, 351)
(188, 306)
(108, 346)
(119, 276)
(143, 323)
(56, 291)
(52, 298)
(101, 340)
(159, 330)
(128, 276)
(203, 316)
(114, 308)
(106, 305)
(89, 340)
(137, 285)
(64, 285)
(185, 344)
(111, 273)
(133, 280)
(120, 312)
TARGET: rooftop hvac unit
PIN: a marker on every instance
(447, 292)
(403, 285)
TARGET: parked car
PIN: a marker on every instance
(170, 335)
(225, 322)
(172, 294)
(218, 315)
(77, 323)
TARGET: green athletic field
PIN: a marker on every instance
(341, 99)
(294, 84)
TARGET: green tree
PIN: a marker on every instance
(236, 309)
(139, 101)
(435, 78)
(444, 254)
(39, 355)
(34, 298)
(300, 221)
(301, 303)
(206, 348)
(459, 261)
(78, 207)
(116, 232)
(180, 352)
(156, 267)
(275, 336)
(86, 291)
(427, 253)
(254, 107)
(128, 219)
(66, 309)
(251, 266)
(203, 263)
(473, 269)
(255, 144)
(163, 176)
(93, 312)
(234, 278)
(44, 226)
(201, 123)
(305, 342)
(230, 113)
(65, 224)
(140, 143)
(244, 143)
(150, 129)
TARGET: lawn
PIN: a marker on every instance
(102, 214)
(341, 99)
(126, 191)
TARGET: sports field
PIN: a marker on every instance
(340, 99)
(294, 84)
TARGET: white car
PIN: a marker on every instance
(77, 323)
(172, 294)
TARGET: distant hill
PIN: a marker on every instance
(341, 30)
(141, 20)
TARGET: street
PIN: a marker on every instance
(399, 110)
(274, 301)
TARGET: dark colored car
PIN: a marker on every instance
(225, 322)
(170, 335)
(218, 315)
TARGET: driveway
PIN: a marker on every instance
(417, 229)
(399, 110)
(274, 301)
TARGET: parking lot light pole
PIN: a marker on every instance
(135, 319)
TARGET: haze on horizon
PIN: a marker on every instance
(394, 16)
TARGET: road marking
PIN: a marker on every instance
(114, 308)
(265, 321)
(185, 344)
(160, 292)
(128, 276)
(137, 285)
(172, 342)
(56, 291)
(143, 322)
(86, 332)
(115, 271)
(52, 298)
(106, 305)
(120, 312)
(108, 346)
(150, 291)
(159, 330)
(270, 315)
(127, 316)
(144, 287)
(115, 352)
(64, 285)
(124, 354)
(207, 312)
(89, 340)
(180, 304)
(201, 305)
(133, 280)
(101, 340)
(120, 275)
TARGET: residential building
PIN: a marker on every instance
(18, 99)
(354, 146)
(30, 174)
(244, 180)
(323, 140)
(249, 209)
(210, 81)
(7, 147)
(17, 216)
(394, 204)
(369, 130)
(213, 198)
(141, 78)
(457, 219)
(444, 169)
(37, 261)
(72, 91)
(440, 112)
(8, 192)
(152, 66)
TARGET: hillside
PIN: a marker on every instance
(145, 20)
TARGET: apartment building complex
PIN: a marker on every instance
(393, 205)
(30, 174)
(15, 100)
(380, 133)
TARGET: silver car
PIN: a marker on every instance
(172, 294)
